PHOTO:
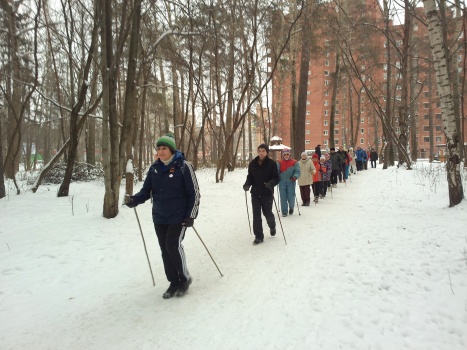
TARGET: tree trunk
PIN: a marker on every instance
(440, 57)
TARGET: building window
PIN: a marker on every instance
(426, 139)
(426, 117)
(336, 132)
(362, 120)
(438, 116)
(426, 128)
(308, 92)
(307, 132)
(326, 102)
(307, 142)
(336, 142)
(426, 105)
(326, 82)
(337, 112)
(438, 139)
(326, 63)
(307, 112)
(307, 103)
(309, 72)
(438, 104)
(438, 127)
(325, 142)
(326, 112)
(326, 93)
(427, 94)
(326, 73)
(325, 123)
(307, 122)
(336, 122)
(362, 131)
(361, 141)
(325, 132)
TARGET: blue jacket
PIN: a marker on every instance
(174, 190)
(361, 155)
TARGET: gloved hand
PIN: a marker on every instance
(130, 202)
(188, 222)
(246, 187)
(293, 179)
(269, 185)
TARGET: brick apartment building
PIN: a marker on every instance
(356, 123)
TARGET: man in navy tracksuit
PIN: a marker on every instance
(262, 177)
(174, 188)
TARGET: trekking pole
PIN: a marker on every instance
(296, 201)
(278, 216)
(248, 213)
(144, 243)
(278, 196)
(208, 251)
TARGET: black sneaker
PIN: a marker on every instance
(183, 287)
(169, 293)
(272, 231)
(257, 240)
(290, 211)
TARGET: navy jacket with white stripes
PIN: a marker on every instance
(174, 189)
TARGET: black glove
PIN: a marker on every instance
(269, 186)
(246, 187)
(130, 202)
(188, 222)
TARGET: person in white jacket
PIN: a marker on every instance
(307, 170)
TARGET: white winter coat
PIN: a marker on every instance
(307, 170)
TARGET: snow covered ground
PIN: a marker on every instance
(380, 265)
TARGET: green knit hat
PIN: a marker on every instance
(167, 140)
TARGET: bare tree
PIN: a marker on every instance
(444, 82)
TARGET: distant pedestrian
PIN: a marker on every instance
(353, 164)
(289, 172)
(326, 169)
(318, 150)
(336, 164)
(361, 156)
(262, 177)
(373, 157)
(307, 170)
(316, 177)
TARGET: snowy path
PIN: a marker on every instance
(378, 266)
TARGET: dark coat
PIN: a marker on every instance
(336, 160)
(318, 151)
(373, 156)
(174, 190)
(258, 175)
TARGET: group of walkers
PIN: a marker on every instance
(314, 176)
(172, 185)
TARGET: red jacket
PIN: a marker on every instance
(317, 175)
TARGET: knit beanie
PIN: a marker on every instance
(286, 150)
(167, 140)
(303, 154)
(263, 145)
